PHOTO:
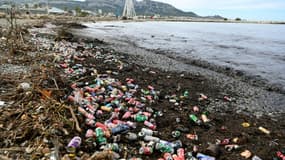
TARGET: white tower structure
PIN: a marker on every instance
(129, 9)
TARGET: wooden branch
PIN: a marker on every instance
(22, 37)
(12, 149)
(55, 83)
(74, 118)
(67, 107)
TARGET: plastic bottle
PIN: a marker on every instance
(164, 148)
(99, 132)
(146, 150)
(150, 125)
(195, 119)
(113, 146)
(151, 138)
(181, 153)
(167, 156)
(120, 129)
(140, 118)
(75, 142)
(176, 144)
(149, 132)
(131, 136)
(101, 140)
(127, 115)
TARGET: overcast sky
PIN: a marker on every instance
(247, 9)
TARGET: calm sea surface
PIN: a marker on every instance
(257, 49)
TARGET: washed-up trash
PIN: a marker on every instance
(117, 115)
(245, 124)
(195, 119)
(167, 156)
(147, 149)
(204, 118)
(226, 98)
(201, 156)
(2, 103)
(113, 147)
(232, 147)
(202, 97)
(256, 158)
(196, 109)
(264, 130)
(192, 136)
(24, 86)
(162, 147)
(72, 146)
(280, 155)
(150, 125)
(131, 136)
(176, 134)
(145, 131)
(150, 138)
(246, 154)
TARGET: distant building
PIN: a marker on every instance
(34, 10)
(100, 12)
(4, 8)
(54, 10)
(111, 14)
(89, 12)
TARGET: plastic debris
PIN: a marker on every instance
(2, 103)
(246, 154)
(120, 118)
(245, 124)
(24, 86)
(264, 130)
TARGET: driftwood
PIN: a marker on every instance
(77, 126)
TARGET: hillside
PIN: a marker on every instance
(145, 7)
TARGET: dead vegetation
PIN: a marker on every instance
(14, 33)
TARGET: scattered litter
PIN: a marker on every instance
(24, 86)
(87, 105)
(2, 103)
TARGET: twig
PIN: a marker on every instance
(74, 118)
(55, 83)
(12, 149)
(80, 79)
(67, 107)
(22, 37)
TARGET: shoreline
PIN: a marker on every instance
(257, 99)
(225, 122)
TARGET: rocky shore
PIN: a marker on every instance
(50, 94)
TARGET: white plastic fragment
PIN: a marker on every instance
(25, 86)
(2, 103)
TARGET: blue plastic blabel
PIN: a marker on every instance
(121, 128)
(201, 156)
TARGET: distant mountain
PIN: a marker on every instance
(145, 7)
(148, 7)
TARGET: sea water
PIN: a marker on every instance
(257, 49)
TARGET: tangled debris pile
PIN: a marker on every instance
(81, 101)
